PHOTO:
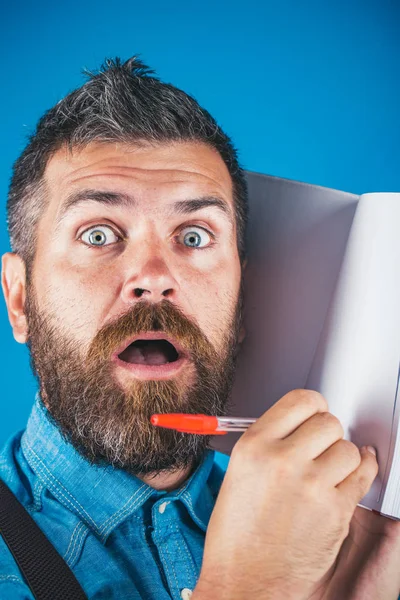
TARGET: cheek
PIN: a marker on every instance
(74, 301)
(213, 298)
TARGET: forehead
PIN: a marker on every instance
(176, 168)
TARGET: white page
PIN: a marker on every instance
(391, 499)
(357, 361)
(297, 237)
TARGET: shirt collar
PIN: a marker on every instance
(104, 496)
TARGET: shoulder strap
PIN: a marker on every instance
(45, 571)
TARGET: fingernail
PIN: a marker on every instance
(371, 449)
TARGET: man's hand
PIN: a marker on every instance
(367, 567)
(285, 506)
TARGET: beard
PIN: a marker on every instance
(110, 424)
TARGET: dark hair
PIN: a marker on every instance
(121, 102)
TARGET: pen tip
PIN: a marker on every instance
(154, 419)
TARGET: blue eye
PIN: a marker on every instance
(195, 237)
(97, 237)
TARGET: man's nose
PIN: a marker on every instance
(151, 280)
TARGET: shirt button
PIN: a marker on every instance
(186, 594)
(162, 508)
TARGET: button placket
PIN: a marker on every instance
(175, 556)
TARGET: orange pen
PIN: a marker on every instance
(203, 424)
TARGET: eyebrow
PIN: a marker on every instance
(118, 199)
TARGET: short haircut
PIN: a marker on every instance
(123, 102)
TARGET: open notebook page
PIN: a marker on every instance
(297, 238)
(356, 364)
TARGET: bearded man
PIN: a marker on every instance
(126, 215)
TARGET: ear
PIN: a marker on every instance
(13, 281)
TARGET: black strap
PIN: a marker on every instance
(46, 572)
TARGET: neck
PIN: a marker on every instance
(167, 481)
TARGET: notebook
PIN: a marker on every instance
(322, 312)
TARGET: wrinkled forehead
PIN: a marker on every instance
(172, 166)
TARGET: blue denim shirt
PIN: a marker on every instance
(122, 538)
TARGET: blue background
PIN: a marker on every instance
(308, 91)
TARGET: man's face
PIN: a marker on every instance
(137, 244)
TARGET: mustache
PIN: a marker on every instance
(145, 316)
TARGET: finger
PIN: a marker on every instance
(337, 462)
(289, 413)
(358, 483)
(315, 435)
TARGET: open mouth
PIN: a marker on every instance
(149, 352)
